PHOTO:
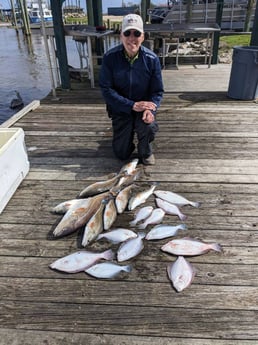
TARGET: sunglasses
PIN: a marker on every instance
(136, 33)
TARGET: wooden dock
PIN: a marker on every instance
(206, 150)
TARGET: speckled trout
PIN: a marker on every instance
(175, 198)
(140, 197)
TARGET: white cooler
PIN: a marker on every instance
(14, 163)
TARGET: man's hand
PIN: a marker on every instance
(148, 117)
(144, 105)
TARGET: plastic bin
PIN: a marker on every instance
(243, 82)
(14, 164)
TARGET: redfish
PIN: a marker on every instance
(76, 217)
(110, 214)
(94, 226)
(100, 186)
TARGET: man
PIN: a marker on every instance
(131, 84)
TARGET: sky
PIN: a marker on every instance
(105, 3)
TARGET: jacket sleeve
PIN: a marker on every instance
(112, 98)
(156, 84)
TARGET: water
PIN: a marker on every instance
(24, 67)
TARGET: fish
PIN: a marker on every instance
(129, 178)
(170, 208)
(100, 186)
(175, 198)
(156, 217)
(189, 247)
(140, 197)
(118, 235)
(181, 273)
(76, 217)
(122, 198)
(130, 248)
(129, 167)
(64, 206)
(163, 231)
(110, 214)
(107, 270)
(141, 214)
(80, 261)
(94, 226)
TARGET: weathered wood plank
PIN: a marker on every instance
(132, 320)
(236, 274)
(161, 295)
(10, 336)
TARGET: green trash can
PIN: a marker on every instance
(243, 83)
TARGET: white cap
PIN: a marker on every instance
(132, 21)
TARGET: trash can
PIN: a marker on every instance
(243, 83)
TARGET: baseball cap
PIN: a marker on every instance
(132, 21)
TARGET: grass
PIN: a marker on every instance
(229, 41)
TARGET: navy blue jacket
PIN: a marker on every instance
(122, 83)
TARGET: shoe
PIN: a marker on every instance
(149, 161)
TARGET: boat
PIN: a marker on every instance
(203, 11)
(34, 13)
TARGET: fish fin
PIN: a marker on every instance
(133, 223)
(108, 254)
(128, 268)
(183, 227)
(141, 234)
(141, 226)
(217, 247)
(182, 216)
(195, 204)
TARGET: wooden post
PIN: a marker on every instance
(254, 36)
(24, 16)
(143, 10)
(98, 21)
(220, 4)
(97, 12)
(248, 15)
(56, 7)
(14, 16)
(90, 12)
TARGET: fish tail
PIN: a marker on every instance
(217, 247)
(128, 268)
(99, 237)
(133, 223)
(182, 216)
(141, 226)
(108, 254)
(141, 234)
(195, 204)
(183, 227)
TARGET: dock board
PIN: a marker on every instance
(206, 150)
